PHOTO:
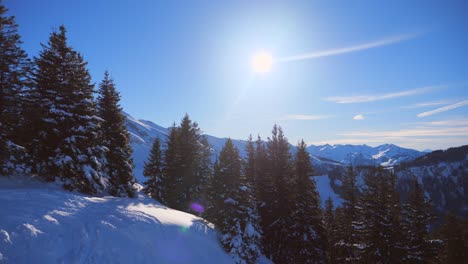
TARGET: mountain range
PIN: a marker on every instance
(442, 174)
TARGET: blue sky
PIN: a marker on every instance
(395, 72)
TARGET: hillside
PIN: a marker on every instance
(42, 223)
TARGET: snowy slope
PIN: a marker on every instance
(326, 191)
(41, 223)
(385, 155)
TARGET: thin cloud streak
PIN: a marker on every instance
(419, 132)
(304, 117)
(443, 109)
(427, 104)
(372, 98)
(365, 46)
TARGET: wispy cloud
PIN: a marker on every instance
(443, 109)
(436, 134)
(349, 49)
(304, 117)
(417, 132)
(372, 98)
(427, 104)
(450, 122)
(358, 117)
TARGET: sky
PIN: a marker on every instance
(344, 72)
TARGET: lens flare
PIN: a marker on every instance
(197, 207)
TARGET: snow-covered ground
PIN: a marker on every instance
(41, 223)
(325, 190)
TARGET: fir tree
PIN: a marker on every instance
(232, 209)
(171, 184)
(187, 166)
(279, 204)
(66, 143)
(349, 222)
(14, 82)
(454, 234)
(307, 229)
(330, 231)
(153, 171)
(381, 225)
(115, 137)
(416, 218)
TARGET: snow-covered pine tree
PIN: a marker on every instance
(416, 218)
(153, 171)
(308, 232)
(115, 137)
(349, 223)
(252, 235)
(14, 79)
(67, 140)
(232, 209)
(279, 204)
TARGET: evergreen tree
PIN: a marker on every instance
(187, 166)
(232, 207)
(381, 225)
(115, 137)
(279, 204)
(416, 218)
(307, 230)
(14, 82)
(66, 141)
(455, 237)
(349, 222)
(153, 170)
(330, 231)
(171, 184)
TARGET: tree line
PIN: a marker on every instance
(267, 203)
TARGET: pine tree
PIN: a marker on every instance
(307, 230)
(252, 232)
(231, 207)
(330, 231)
(153, 171)
(187, 166)
(349, 222)
(455, 237)
(14, 82)
(381, 225)
(115, 137)
(279, 201)
(66, 143)
(171, 183)
(416, 218)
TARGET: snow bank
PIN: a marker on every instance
(41, 223)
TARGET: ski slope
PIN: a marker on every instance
(41, 223)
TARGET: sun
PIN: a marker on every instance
(262, 62)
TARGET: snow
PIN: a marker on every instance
(385, 155)
(325, 190)
(41, 223)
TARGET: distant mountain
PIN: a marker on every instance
(385, 155)
(443, 174)
(324, 157)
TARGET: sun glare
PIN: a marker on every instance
(262, 62)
